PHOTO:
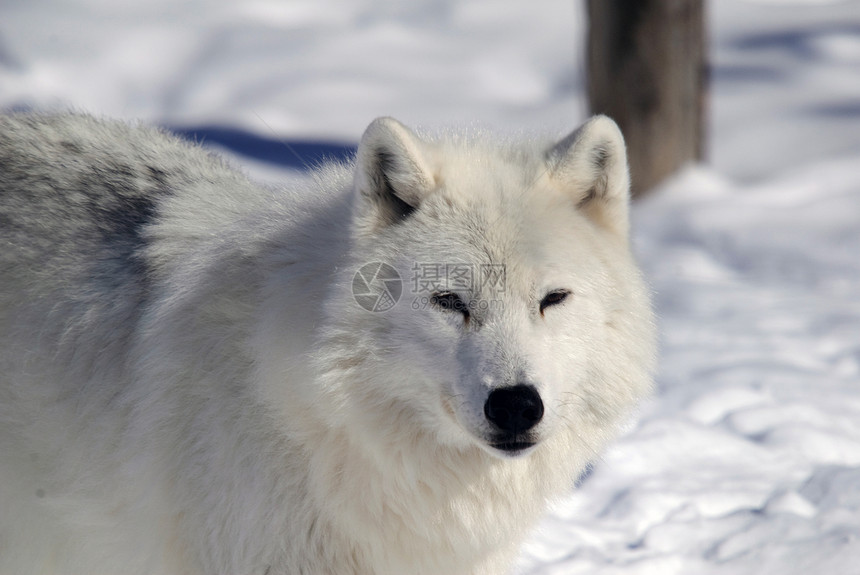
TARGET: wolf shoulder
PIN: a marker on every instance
(78, 191)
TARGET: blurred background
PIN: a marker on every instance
(784, 81)
(748, 458)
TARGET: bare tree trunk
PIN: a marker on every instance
(646, 70)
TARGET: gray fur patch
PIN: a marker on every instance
(62, 192)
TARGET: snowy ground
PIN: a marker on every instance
(748, 460)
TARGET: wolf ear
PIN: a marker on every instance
(392, 172)
(591, 165)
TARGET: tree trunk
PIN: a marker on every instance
(646, 70)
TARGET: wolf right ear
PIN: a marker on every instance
(591, 165)
(392, 172)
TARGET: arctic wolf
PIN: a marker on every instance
(390, 368)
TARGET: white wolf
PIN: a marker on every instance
(191, 381)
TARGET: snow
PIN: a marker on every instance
(748, 458)
(758, 412)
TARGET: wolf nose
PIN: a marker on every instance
(514, 409)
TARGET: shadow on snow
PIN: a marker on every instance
(296, 154)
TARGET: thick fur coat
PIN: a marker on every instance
(192, 382)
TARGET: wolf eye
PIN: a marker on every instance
(449, 301)
(553, 298)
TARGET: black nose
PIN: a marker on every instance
(514, 409)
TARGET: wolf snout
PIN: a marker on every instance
(514, 410)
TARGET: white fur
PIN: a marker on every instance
(251, 417)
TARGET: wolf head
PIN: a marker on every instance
(502, 308)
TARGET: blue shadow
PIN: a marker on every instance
(797, 41)
(296, 154)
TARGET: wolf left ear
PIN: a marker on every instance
(392, 172)
(591, 165)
